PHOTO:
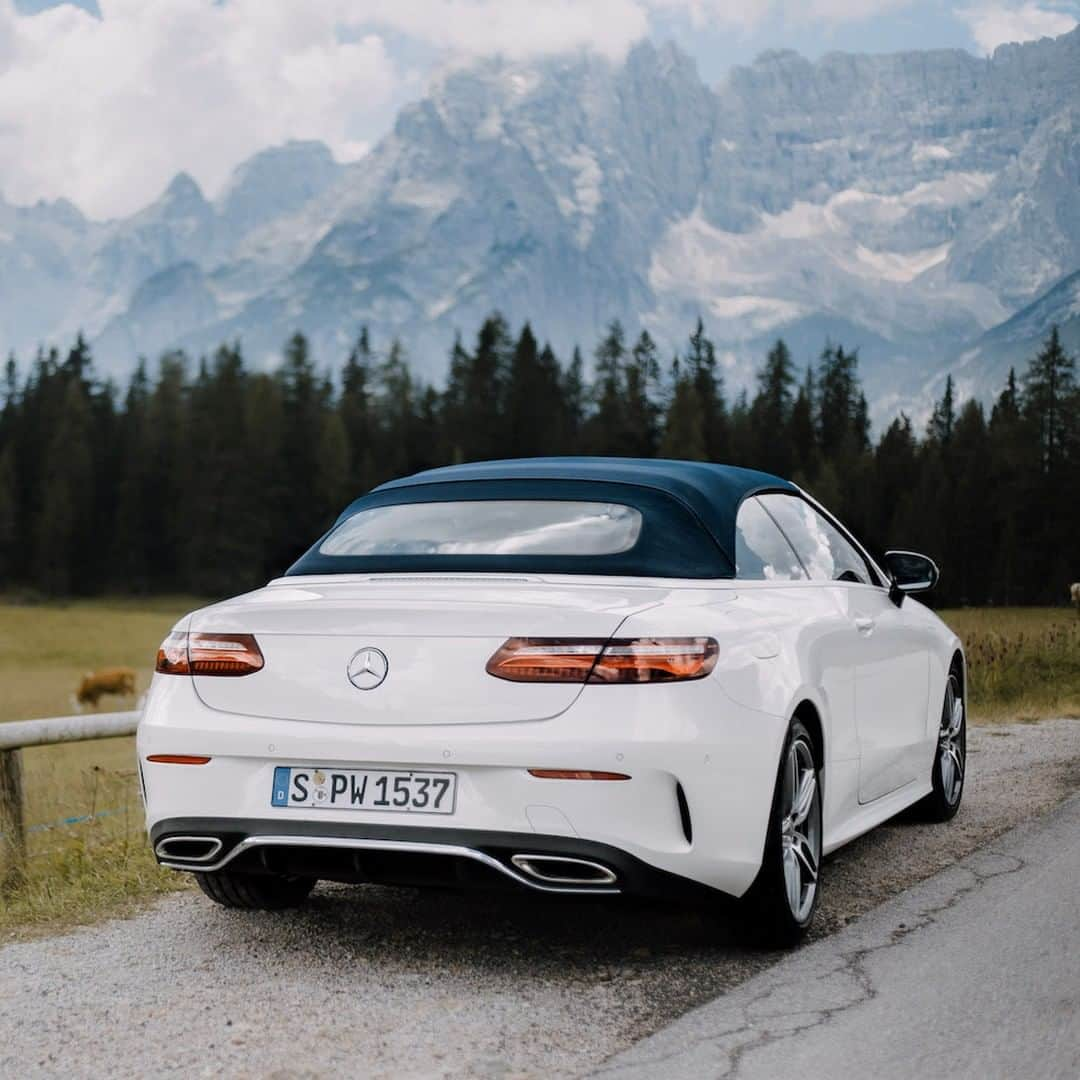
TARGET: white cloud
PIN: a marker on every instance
(106, 111)
(750, 14)
(513, 27)
(994, 24)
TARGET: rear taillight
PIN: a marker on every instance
(599, 660)
(209, 654)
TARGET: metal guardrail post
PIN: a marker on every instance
(13, 737)
(12, 825)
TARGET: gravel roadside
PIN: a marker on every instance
(410, 984)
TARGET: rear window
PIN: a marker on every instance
(519, 525)
(488, 527)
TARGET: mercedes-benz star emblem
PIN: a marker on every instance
(367, 669)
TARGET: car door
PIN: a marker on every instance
(827, 637)
(890, 652)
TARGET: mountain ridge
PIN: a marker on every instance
(920, 199)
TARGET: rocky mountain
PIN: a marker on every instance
(907, 204)
(983, 368)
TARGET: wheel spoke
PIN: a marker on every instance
(804, 799)
(801, 847)
(948, 771)
(793, 881)
(791, 779)
(958, 761)
(957, 718)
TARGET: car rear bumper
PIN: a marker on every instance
(695, 810)
(411, 855)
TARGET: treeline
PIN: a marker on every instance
(208, 477)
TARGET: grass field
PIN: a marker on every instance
(1024, 664)
(100, 861)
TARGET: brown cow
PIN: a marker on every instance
(96, 684)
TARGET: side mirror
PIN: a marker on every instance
(909, 573)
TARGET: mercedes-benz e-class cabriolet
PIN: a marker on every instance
(564, 675)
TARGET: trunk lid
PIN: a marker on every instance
(436, 634)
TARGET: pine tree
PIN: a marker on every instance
(896, 464)
(64, 520)
(943, 418)
(700, 362)
(533, 398)
(839, 418)
(1009, 447)
(354, 408)
(607, 424)
(1049, 406)
(684, 423)
(1049, 390)
(476, 394)
(803, 435)
(641, 413)
(770, 413)
(264, 427)
(573, 398)
(132, 536)
(741, 434)
(303, 399)
(173, 489)
(396, 447)
(223, 514)
(455, 404)
(969, 555)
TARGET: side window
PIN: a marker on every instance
(761, 552)
(825, 552)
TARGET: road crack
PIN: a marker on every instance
(759, 1026)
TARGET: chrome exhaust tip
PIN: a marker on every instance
(564, 870)
(188, 849)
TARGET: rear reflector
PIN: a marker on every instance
(576, 774)
(178, 759)
(209, 654)
(597, 660)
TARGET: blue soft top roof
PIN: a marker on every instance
(713, 492)
(688, 509)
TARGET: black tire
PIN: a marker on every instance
(255, 892)
(767, 910)
(944, 801)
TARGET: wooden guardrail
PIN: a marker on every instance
(17, 735)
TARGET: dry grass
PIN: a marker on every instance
(88, 850)
(1023, 663)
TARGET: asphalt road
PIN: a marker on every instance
(404, 983)
(974, 973)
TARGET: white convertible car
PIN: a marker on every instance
(564, 675)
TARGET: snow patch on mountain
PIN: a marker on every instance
(815, 257)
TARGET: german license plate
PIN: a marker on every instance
(302, 786)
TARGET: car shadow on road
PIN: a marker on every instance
(481, 927)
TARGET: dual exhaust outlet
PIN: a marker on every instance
(551, 871)
(189, 849)
(563, 870)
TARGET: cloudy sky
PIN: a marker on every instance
(103, 101)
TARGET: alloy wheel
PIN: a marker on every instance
(800, 829)
(952, 743)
